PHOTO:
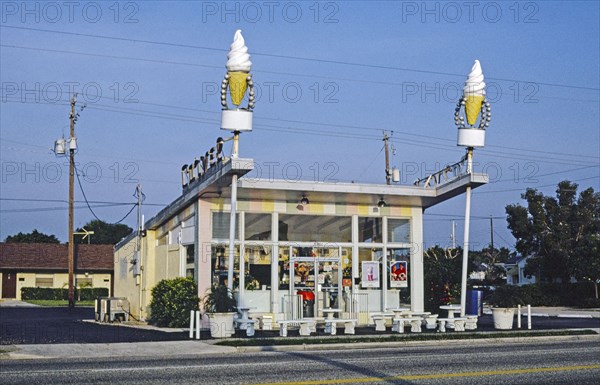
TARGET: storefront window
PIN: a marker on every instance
(189, 261)
(398, 230)
(258, 267)
(220, 264)
(257, 227)
(220, 225)
(370, 230)
(315, 228)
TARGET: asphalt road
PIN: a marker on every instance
(483, 362)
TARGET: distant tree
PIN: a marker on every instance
(561, 234)
(442, 270)
(33, 237)
(104, 233)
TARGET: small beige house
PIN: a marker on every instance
(46, 265)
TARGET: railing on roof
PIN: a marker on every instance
(445, 175)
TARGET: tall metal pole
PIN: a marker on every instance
(388, 174)
(232, 222)
(453, 234)
(465, 262)
(492, 233)
(71, 246)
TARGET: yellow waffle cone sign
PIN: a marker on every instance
(238, 82)
(473, 107)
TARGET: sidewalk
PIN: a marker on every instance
(15, 303)
(133, 349)
(558, 311)
(195, 347)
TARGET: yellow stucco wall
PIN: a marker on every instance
(158, 262)
(126, 284)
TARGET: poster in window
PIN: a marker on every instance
(399, 274)
(370, 274)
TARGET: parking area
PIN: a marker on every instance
(61, 325)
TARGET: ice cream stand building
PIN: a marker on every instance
(286, 248)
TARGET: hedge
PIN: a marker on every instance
(580, 294)
(47, 293)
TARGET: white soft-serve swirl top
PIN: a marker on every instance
(238, 58)
(475, 86)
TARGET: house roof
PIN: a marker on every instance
(49, 256)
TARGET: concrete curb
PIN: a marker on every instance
(397, 344)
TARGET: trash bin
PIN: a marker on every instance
(474, 302)
(308, 302)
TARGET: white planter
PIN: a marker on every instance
(221, 325)
(503, 317)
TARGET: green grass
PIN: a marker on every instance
(398, 338)
(60, 303)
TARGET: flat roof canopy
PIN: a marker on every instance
(355, 193)
(217, 183)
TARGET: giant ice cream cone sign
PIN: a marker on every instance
(474, 103)
(237, 80)
(474, 92)
(238, 68)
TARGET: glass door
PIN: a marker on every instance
(316, 277)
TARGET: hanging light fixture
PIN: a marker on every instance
(304, 200)
(381, 203)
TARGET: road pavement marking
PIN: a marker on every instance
(436, 376)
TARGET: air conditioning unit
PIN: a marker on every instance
(111, 309)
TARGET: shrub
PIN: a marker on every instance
(172, 301)
(61, 294)
(506, 296)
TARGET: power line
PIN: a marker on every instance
(297, 130)
(44, 209)
(300, 58)
(179, 117)
(547, 185)
(76, 201)
(90, 207)
(310, 76)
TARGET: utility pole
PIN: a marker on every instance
(138, 250)
(72, 147)
(453, 235)
(388, 174)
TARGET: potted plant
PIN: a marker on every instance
(503, 301)
(221, 307)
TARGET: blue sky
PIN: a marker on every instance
(332, 76)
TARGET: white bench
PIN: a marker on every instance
(265, 322)
(471, 322)
(431, 321)
(379, 319)
(305, 325)
(458, 323)
(414, 322)
(247, 324)
(331, 325)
